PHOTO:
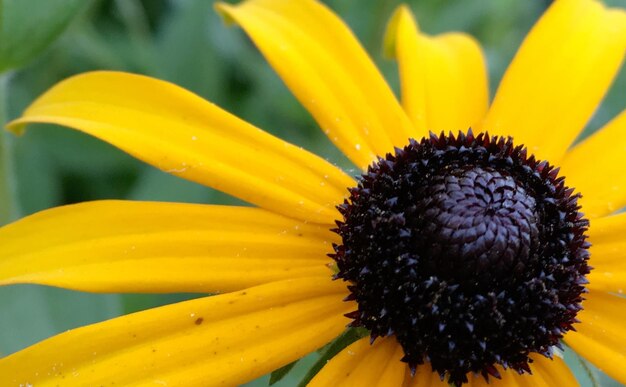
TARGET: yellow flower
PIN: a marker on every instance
(271, 262)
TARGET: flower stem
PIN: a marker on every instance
(8, 194)
(590, 372)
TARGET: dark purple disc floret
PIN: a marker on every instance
(468, 250)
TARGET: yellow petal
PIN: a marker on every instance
(558, 77)
(545, 373)
(443, 78)
(424, 377)
(600, 336)
(187, 136)
(362, 364)
(326, 68)
(596, 168)
(223, 340)
(393, 374)
(608, 254)
(123, 246)
(553, 372)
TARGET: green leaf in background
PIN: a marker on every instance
(33, 313)
(280, 373)
(8, 203)
(29, 26)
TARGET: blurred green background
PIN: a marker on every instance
(185, 42)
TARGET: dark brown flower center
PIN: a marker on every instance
(467, 250)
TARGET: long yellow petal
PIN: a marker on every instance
(123, 246)
(216, 341)
(600, 336)
(362, 364)
(608, 254)
(443, 78)
(558, 77)
(597, 168)
(187, 136)
(326, 68)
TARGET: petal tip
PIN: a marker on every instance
(391, 32)
(17, 127)
(225, 11)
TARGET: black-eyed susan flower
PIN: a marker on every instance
(463, 256)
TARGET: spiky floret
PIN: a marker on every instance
(468, 250)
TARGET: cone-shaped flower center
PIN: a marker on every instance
(467, 250)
